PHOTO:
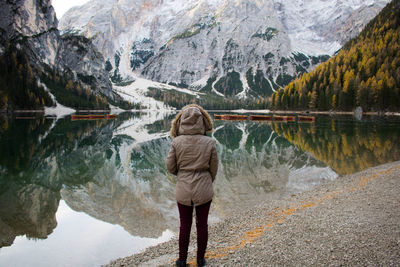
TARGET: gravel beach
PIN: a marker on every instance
(353, 221)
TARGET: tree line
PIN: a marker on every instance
(365, 72)
(18, 85)
(22, 84)
(178, 100)
(71, 93)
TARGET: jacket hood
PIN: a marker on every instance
(191, 120)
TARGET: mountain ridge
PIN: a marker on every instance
(189, 42)
(40, 67)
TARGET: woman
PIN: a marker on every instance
(193, 158)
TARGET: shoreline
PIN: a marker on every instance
(333, 113)
(258, 111)
(298, 112)
(353, 220)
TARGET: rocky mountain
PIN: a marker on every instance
(29, 32)
(78, 54)
(231, 47)
(33, 23)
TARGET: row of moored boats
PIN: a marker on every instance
(299, 118)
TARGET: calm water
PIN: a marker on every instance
(81, 193)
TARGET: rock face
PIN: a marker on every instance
(34, 22)
(33, 25)
(78, 54)
(255, 46)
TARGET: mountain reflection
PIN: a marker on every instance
(37, 158)
(256, 165)
(114, 170)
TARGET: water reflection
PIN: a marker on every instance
(130, 189)
(37, 158)
(78, 240)
(257, 165)
(345, 144)
(114, 170)
(27, 210)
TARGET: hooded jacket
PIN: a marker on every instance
(193, 156)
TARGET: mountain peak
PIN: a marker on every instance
(186, 42)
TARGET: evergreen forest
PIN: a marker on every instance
(23, 84)
(365, 72)
(208, 101)
(18, 85)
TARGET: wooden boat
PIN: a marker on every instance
(290, 118)
(280, 118)
(235, 117)
(217, 116)
(260, 118)
(25, 118)
(111, 116)
(80, 117)
(306, 118)
(93, 117)
(231, 117)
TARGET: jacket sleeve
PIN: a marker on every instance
(214, 162)
(171, 161)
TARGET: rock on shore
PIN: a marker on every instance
(353, 221)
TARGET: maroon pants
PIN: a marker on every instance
(186, 215)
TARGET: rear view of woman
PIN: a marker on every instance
(193, 158)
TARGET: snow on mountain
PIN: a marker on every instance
(258, 45)
(313, 26)
(137, 91)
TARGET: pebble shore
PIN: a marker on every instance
(353, 221)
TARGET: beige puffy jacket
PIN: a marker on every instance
(193, 156)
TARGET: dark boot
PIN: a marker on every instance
(180, 263)
(201, 262)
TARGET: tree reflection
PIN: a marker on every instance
(100, 167)
(346, 145)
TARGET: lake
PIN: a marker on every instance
(84, 192)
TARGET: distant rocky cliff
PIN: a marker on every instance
(33, 22)
(237, 48)
(31, 27)
(77, 53)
